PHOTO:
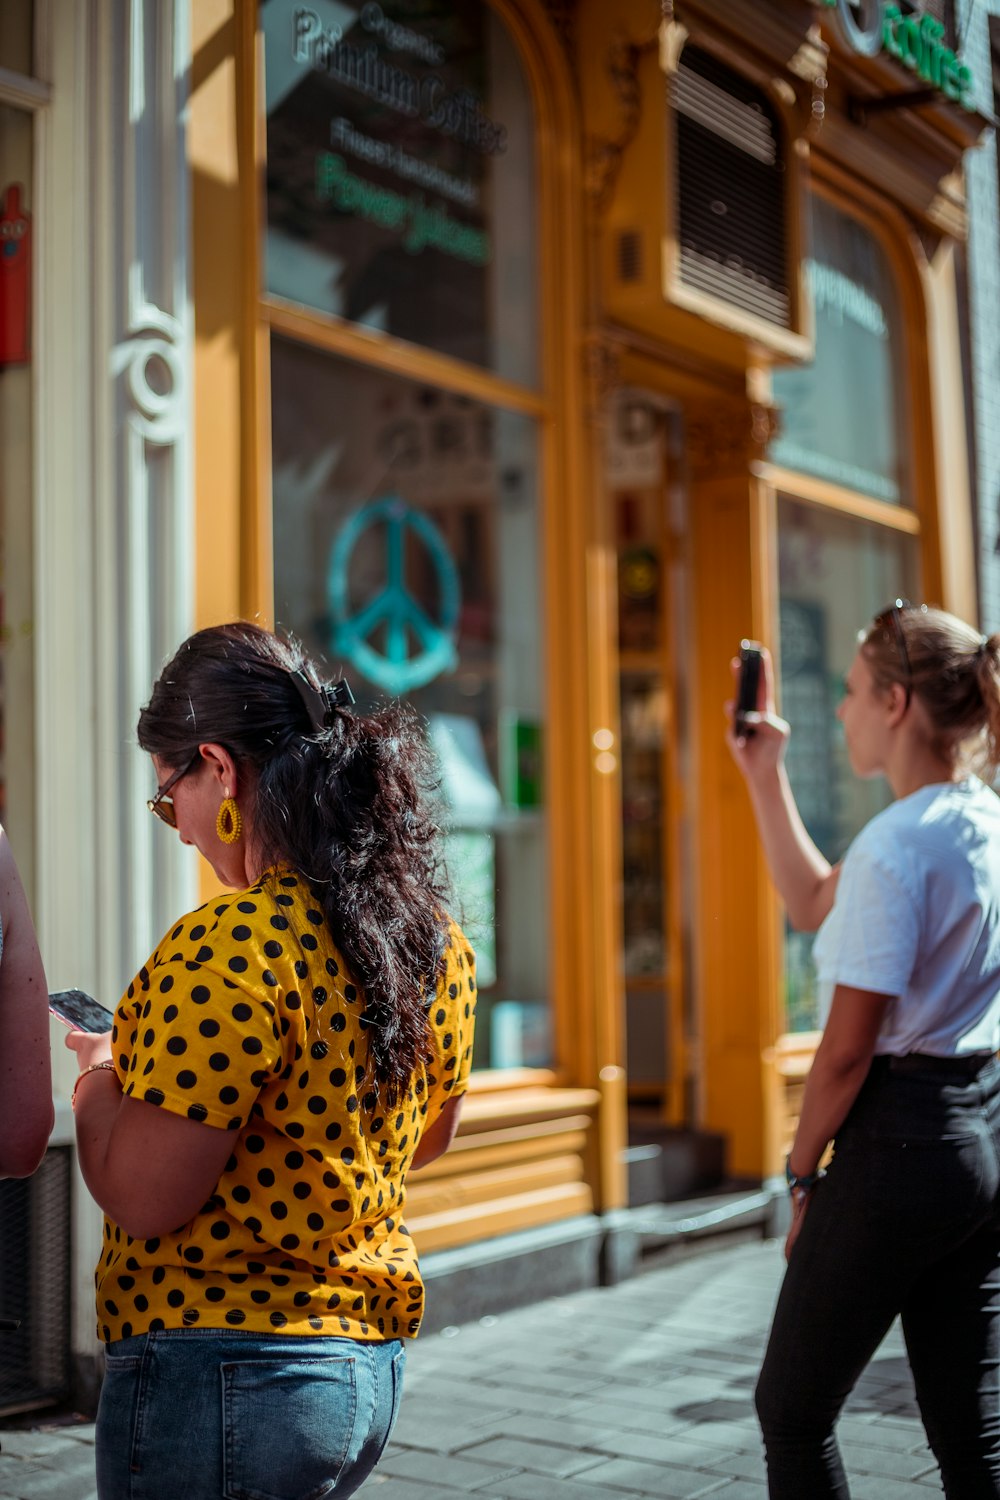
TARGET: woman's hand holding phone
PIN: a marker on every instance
(757, 745)
(90, 1047)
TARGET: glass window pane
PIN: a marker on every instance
(17, 25)
(835, 574)
(400, 177)
(841, 415)
(16, 489)
(406, 552)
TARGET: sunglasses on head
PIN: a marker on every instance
(162, 805)
(890, 618)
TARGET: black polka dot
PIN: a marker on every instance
(175, 1298)
(333, 1131)
(177, 1046)
(338, 1021)
(279, 923)
(252, 1045)
(317, 1106)
(204, 954)
(209, 1028)
(236, 1315)
(279, 1210)
(200, 994)
(269, 979)
(242, 1011)
(241, 1193)
(247, 906)
(278, 1320)
(238, 964)
(215, 1294)
(228, 1095)
(187, 1080)
(218, 1062)
(241, 932)
(153, 1096)
(196, 1111)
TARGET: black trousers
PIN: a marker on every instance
(907, 1223)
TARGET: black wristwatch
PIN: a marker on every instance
(806, 1182)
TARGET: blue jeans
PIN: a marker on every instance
(906, 1222)
(209, 1414)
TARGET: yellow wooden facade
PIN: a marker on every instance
(537, 1146)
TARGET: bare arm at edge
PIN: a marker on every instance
(435, 1141)
(26, 1113)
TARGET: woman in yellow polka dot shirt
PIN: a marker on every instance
(276, 1067)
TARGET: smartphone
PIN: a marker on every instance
(79, 1011)
(751, 668)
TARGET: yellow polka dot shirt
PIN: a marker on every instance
(245, 1019)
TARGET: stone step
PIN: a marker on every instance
(666, 1231)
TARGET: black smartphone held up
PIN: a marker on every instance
(751, 667)
(79, 1011)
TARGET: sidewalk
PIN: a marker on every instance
(640, 1390)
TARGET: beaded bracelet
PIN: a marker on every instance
(101, 1067)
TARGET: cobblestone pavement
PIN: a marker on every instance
(639, 1390)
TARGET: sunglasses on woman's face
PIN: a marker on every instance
(162, 805)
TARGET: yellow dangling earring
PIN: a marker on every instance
(229, 823)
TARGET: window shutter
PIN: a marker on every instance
(731, 218)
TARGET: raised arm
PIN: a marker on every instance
(26, 1113)
(805, 879)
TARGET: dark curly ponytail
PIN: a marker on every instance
(343, 802)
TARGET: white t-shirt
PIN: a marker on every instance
(917, 916)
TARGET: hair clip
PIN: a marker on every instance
(321, 703)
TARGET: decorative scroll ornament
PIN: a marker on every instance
(727, 437)
(561, 13)
(603, 155)
(152, 363)
(602, 373)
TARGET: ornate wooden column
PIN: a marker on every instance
(735, 911)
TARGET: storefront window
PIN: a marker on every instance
(835, 574)
(406, 524)
(400, 175)
(17, 25)
(841, 415)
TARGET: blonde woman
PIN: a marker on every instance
(905, 1082)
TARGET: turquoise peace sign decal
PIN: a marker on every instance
(393, 609)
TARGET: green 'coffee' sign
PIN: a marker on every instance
(917, 41)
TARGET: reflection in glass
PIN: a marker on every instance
(400, 174)
(835, 574)
(17, 25)
(841, 415)
(406, 552)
